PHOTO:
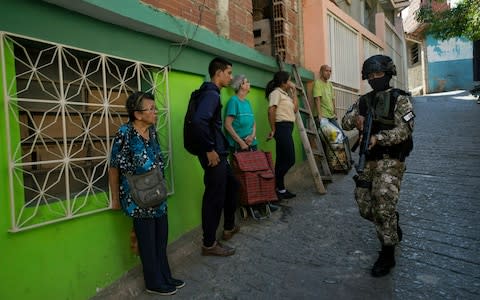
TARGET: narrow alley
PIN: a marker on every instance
(318, 247)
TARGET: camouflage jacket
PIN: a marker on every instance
(403, 120)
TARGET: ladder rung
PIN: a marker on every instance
(316, 152)
(311, 140)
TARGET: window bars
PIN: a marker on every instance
(61, 109)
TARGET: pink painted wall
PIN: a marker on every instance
(316, 32)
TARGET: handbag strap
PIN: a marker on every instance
(150, 133)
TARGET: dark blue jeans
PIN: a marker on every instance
(221, 193)
(152, 237)
(285, 150)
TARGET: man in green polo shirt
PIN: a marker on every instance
(325, 105)
(323, 96)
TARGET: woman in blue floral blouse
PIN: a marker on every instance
(135, 150)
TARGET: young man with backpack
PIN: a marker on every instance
(203, 136)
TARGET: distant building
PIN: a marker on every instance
(434, 65)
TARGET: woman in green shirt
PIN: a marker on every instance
(239, 119)
(240, 125)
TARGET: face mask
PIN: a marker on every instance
(380, 84)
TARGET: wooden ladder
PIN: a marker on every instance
(312, 143)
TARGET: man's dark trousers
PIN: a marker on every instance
(221, 192)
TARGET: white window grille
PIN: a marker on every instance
(343, 100)
(62, 107)
(395, 48)
(344, 54)
(344, 59)
(369, 49)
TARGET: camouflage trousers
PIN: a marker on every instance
(377, 192)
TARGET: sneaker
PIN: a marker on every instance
(227, 234)
(164, 290)
(176, 283)
(217, 250)
(285, 195)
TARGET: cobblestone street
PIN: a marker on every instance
(318, 247)
(440, 203)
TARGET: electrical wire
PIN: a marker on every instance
(186, 39)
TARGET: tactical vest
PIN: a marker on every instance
(383, 104)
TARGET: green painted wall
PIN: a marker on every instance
(185, 205)
(71, 259)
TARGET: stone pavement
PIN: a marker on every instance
(318, 247)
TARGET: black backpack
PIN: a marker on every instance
(190, 142)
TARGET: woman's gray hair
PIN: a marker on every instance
(237, 82)
(134, 103)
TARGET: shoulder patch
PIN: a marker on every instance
(408, 116)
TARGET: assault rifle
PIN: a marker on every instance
(365, 142)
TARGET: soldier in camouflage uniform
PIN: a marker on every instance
(378, 186)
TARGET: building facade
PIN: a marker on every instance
(436, 65)
(66, 69)
(344, 35)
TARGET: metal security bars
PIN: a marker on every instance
(369, 49)
(344, 53)
(344, 59)
(61, 107)
(396, 49)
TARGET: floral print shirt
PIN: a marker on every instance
(132, 154)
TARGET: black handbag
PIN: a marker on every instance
(148, 189)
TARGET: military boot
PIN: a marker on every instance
(399, 230)
(385, 261)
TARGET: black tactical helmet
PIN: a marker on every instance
(378, 63)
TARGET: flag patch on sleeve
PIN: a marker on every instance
(408, 116)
